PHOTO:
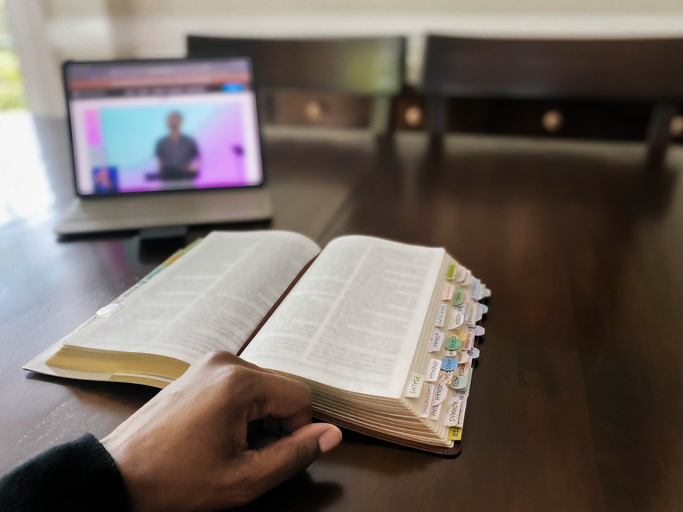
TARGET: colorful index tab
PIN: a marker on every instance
(427, 404)
(435, 341)
(459, 382)
(452, 412)
(414, 385)
(448, 364)
(461, 414)
(446, 377)
(457, 317)
(463, 356)
(459, 296)
(474, 291)
(109, 309)
(453, 344)
(473, 353)
(447, 292)
(455, 433)
(432, 372)
(440, 393)
(463, 369)
(435, 412)
(450, 273)
(461, 274)
(441, 316)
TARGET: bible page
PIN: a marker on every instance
(353, 320)
(212, 298)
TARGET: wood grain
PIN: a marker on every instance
(578, 394)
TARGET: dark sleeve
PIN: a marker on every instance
(157, 149)
(77, 476)
(195, 149)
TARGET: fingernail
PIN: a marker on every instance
(330, 438)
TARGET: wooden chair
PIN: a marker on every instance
(614, 89)
(349, 82)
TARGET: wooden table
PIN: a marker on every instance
(577, 401)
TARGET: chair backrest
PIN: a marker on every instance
(552, 68)
(359, 66)
(348, 82)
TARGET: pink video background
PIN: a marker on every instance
(125, 138)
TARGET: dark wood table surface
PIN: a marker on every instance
(577, 401)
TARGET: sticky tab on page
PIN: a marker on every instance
(435, 341)
(433, 369)
(476, 286)
(471, 313)
(414, 385)
(473, 353)
(459, 382)
(435, 412)
(463, 369)
(441, 316)
(450, 419)
(446, 376)
(447, 292)
(448, 364)
(479, 330)
(459, 296)
(453, 343)
(109, 310)
(451, 271)
(468, 343)
(457, 317)
(427, 404)
(460, 274)
(440, 393)
(461, 413)
(455, 434)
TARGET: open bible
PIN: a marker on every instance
(383, 333)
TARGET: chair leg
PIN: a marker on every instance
(437, 122)
(381, 115)
(437, 115)
(658, 132)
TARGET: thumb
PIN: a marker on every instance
(290, 455)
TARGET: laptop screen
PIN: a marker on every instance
(148, 126)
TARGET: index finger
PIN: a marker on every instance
(259, 393)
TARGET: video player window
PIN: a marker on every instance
(163, 125)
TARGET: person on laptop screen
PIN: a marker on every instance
(160, 126)
(178, 154)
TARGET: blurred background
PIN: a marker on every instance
(598, 70)
(46, 32)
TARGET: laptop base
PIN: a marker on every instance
(133, 212)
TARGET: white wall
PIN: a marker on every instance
(101, 29)
(227, 7)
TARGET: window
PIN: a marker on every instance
(11, 82)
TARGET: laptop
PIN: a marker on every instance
(163, 143)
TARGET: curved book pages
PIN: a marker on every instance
(383, 333)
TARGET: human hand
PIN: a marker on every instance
(186, 449)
